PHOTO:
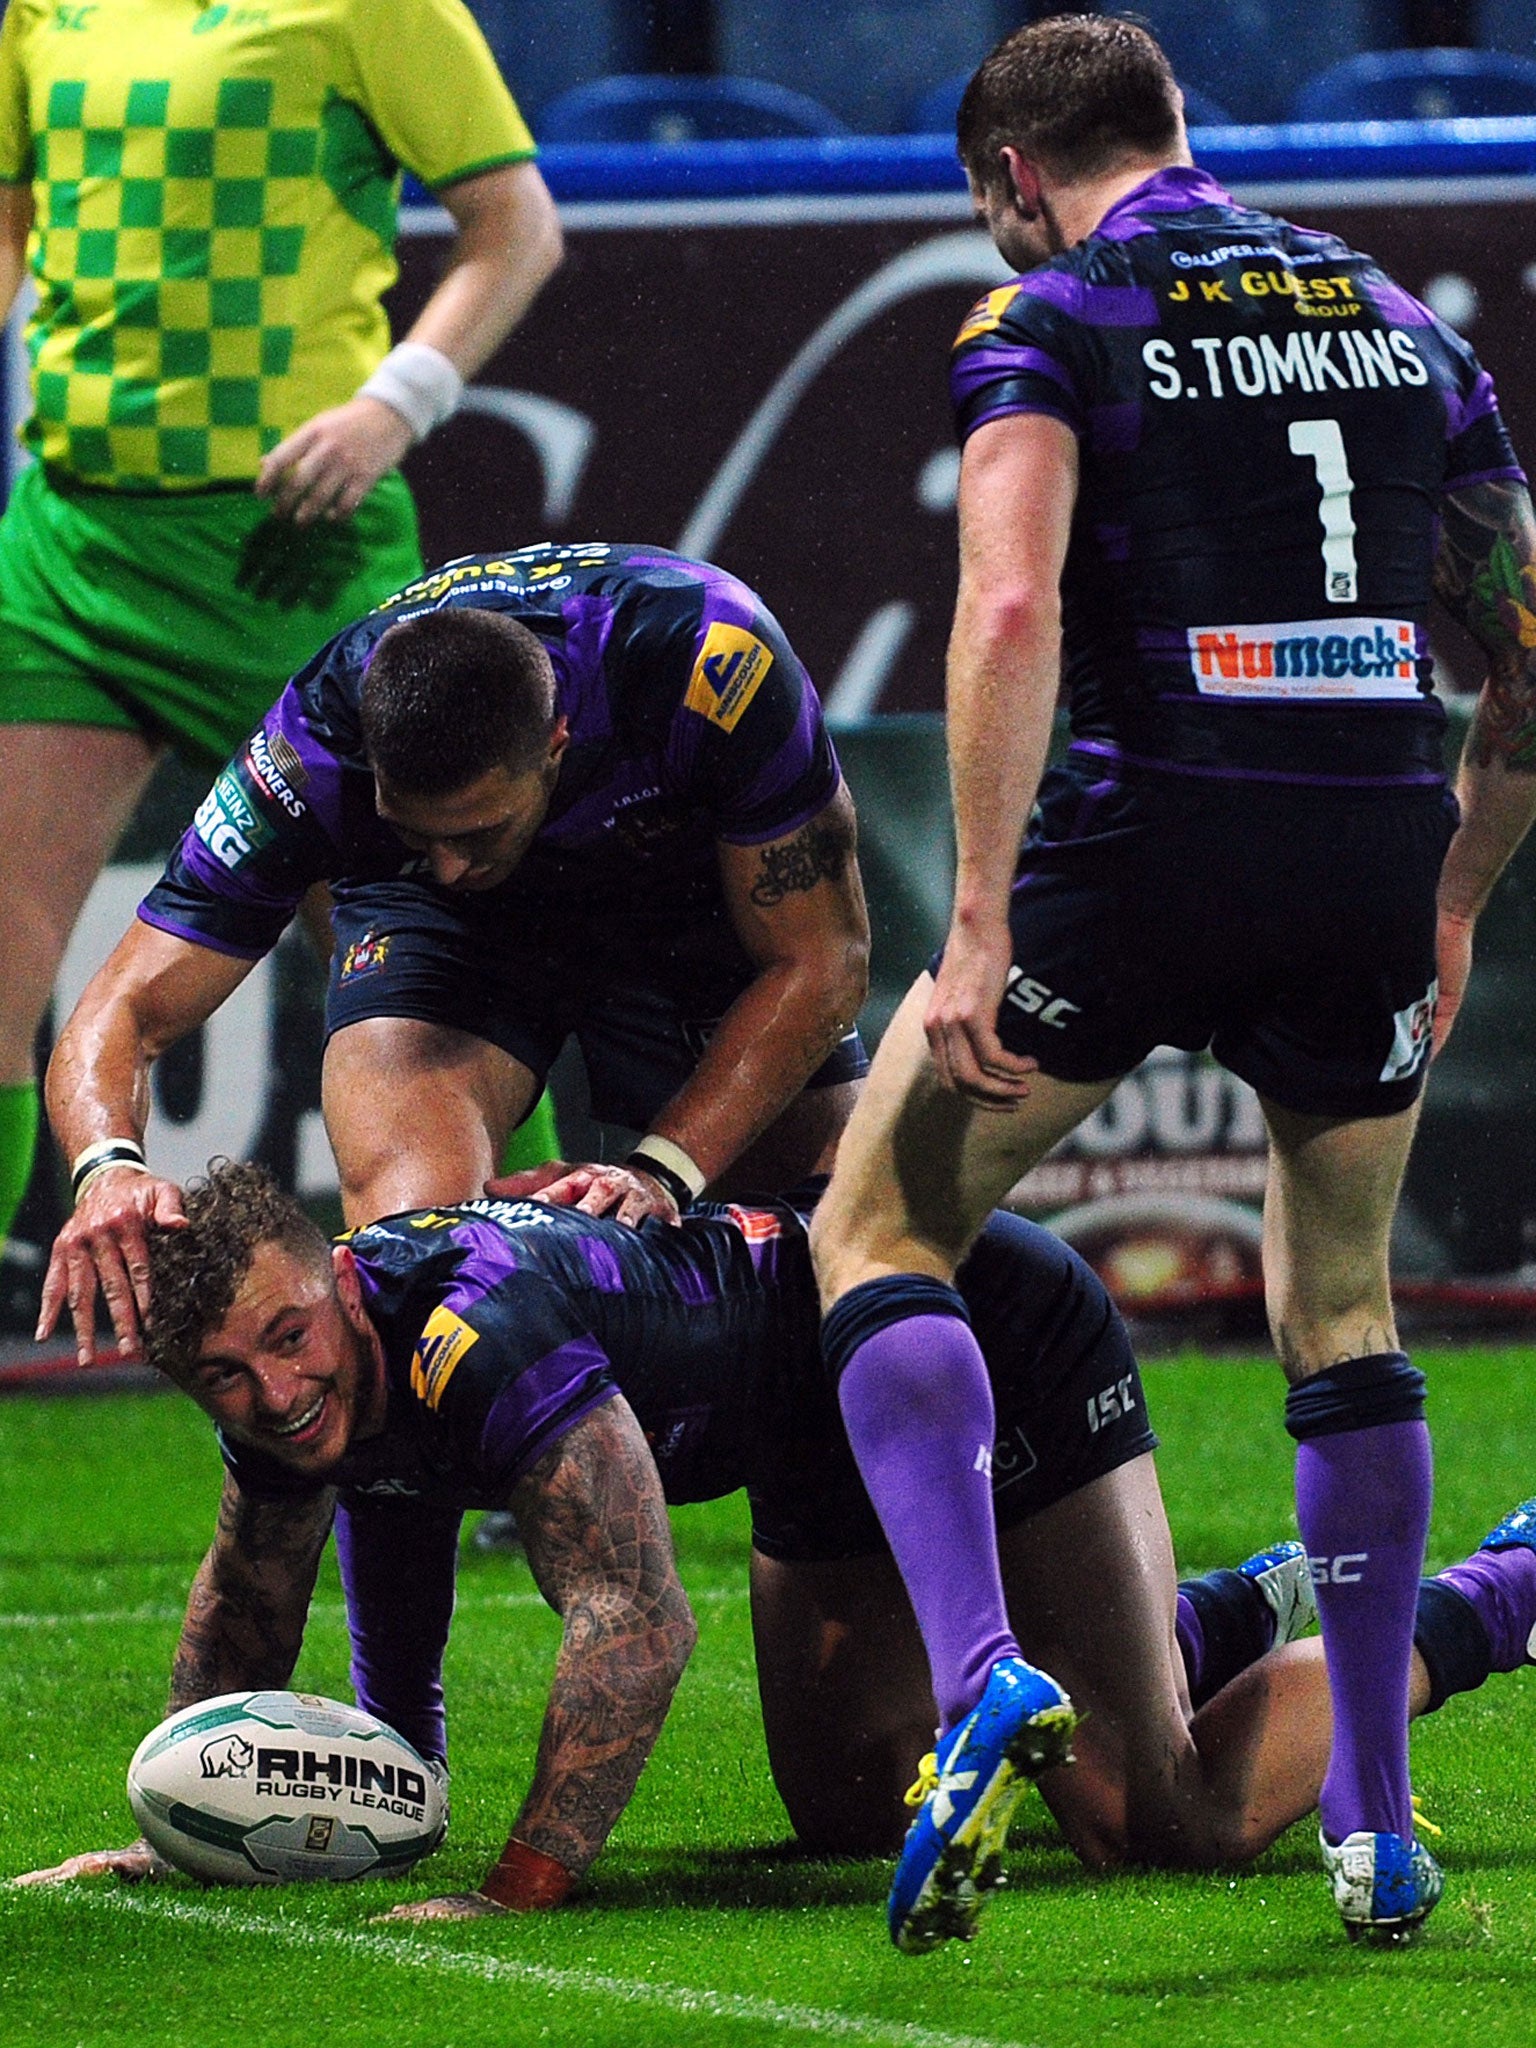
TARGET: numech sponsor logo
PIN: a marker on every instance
(1307, 658)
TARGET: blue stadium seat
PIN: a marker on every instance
(1419, 85)
(933, 113)
(650, 107)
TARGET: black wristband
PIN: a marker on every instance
(674, 1183)
(110, 1152)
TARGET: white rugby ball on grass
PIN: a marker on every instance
(272, 1787)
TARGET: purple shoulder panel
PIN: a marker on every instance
(580, 685)
(1097, 305)
(779, 774)
(1180, 188)
(559, 1388)
(490, 1255)
(1463, 407)
(974, 367)
(1397, 307)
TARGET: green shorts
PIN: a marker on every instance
(179, 615)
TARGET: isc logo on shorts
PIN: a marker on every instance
(1306, 658)
(444, 1341)
(727, 675)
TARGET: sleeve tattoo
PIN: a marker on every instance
(250, 1599)
(595, 1527)
(1485, 576)
(818, 852)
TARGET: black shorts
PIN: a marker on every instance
(641, 1013)
(1290, 930)
(1068, 1395)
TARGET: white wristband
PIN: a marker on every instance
(665, 1153)
(418, 382)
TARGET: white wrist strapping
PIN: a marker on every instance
(673, 1159)
(418, 382)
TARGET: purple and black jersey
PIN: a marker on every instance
(504, 1323)
(691, 722)
(1266, 425)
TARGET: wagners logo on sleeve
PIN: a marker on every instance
(228, 824)
(444, 1340)
(1306, 658)
(727, 675)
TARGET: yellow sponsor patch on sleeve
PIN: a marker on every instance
(727, 675)
(444, 1341)
(987, 314)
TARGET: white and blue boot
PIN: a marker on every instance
(967, 1791)
(1383, 1886)
(1283, 1576)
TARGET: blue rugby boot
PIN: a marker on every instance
(967, 1791)
(1283, 1576)
(1517, 1531)
(1383, 1886)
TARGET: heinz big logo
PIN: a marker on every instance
(727, 675)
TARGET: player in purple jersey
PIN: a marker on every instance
(1215, 466)
(503, 1351)
(560, 792)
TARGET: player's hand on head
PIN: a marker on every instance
(104, 1247)
(452, 1906)
(325, 469)
(133, 1865)
(1453, 965)
(961, 1022)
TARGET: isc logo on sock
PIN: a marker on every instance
(1343, 1570)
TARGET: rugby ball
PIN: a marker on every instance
(274, 1787)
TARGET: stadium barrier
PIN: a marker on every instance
(743, 358)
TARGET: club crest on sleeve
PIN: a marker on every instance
(366, 955)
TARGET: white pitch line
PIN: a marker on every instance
(417, 1955)
(323, 1610)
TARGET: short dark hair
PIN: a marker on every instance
(1079, 93)
(454, 693)
(196, 1270)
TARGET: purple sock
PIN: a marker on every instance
(398, 1559)
(1191, 1641)
(918, 1408)
(1500, 1586)
(1362, 1504)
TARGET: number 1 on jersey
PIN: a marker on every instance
(1322, 440)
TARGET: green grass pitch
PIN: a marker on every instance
(700, 1924)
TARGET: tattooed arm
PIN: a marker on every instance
(798, 908)
(1485, 576)
(245, 1622)
(594, 1523)
(250, 1599)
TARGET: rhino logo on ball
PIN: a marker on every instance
(230, 1757)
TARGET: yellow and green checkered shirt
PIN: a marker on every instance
(215, 194)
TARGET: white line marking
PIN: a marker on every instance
(323, 1610)
(417, 1955)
